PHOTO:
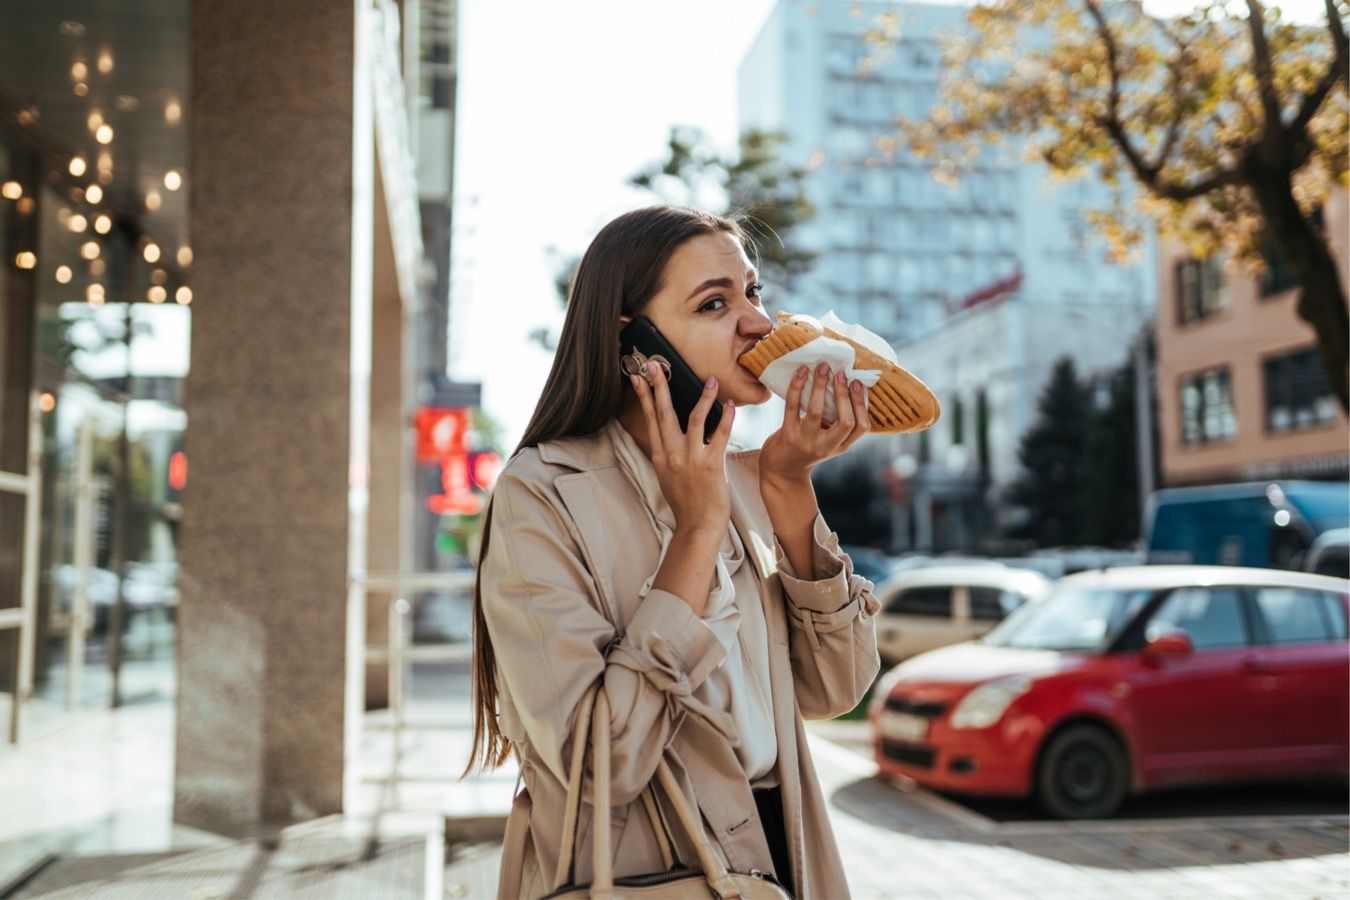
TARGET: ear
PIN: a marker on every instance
(624, 320)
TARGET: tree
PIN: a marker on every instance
(1232, 119)
(756, 186)
(1053, 455)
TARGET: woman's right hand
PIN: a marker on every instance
(692, 474)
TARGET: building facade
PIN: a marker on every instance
(211, 249)
(981, 284)
(1242, 392)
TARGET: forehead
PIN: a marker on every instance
(707, 256)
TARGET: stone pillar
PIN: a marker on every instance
(280, 181)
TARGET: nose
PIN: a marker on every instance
(755, 322)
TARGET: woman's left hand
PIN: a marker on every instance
(804, 441)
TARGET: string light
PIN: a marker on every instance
(97, 268)
(153, 200)
(25, 205)
(95, 120)
(93, 193)
(11, 190)
(90, 250)
(159, 276)
(63, 274)
(185, 255)
(151, 253)
(26, 260)
(94, 294)
(81, 89)
(103, 223)
(172, 180)
(105, 61)
(47, 403)
(77, 223)
(77, 166)
(78, 71)
(183, 295)
(157, 294)
(104, 134)
(173, 112)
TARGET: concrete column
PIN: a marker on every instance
(280, 181)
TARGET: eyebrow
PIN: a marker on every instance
(718, 282)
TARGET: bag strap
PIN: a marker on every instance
(602, 856)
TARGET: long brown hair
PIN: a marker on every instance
(619, 274)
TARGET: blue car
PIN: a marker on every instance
(1269, 524)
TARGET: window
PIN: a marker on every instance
(1211, 616)
(991, 604)
(1294, 615)
(1207, 407)
(922, 601)
(1200, 289)
(1298, 394)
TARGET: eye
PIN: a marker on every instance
(755, 290)
(708, 304)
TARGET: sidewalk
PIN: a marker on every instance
(98, 793)
(86, 811)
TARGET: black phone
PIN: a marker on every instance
(640, 336)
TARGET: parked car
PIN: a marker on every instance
(1257, 523)
(937, 605)
(1330, 553)
(1128, 680)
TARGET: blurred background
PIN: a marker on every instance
(321, 253)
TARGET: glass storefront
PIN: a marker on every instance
(95, 307)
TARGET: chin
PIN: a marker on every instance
(752, 395)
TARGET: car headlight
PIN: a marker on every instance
(985, 705)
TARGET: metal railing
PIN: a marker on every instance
(398, 651)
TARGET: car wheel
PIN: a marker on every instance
(1083, 774)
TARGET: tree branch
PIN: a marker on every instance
(1111, 122)
(1298, 129)
(1261, 60)
(1183, 192)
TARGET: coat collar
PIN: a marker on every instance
(594, 452)
(585, 453)
(589, 452)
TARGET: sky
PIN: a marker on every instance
(558, 104)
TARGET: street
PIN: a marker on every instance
(913, 843)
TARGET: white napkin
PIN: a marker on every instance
(838, 354)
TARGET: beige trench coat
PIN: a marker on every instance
(569, 550)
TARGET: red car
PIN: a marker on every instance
(1126, 680)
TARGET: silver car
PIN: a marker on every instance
(934, 606)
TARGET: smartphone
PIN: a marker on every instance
(685, 387)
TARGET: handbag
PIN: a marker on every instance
(677, 880)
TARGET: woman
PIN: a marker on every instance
(701, 585)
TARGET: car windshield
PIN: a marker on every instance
(1070, 618)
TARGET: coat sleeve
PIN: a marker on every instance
(832, 619)
(551, 642)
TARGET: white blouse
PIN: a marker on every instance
(735, 613)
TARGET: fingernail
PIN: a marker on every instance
(710, 383)
(857, 387)
(840, 377)
(801, 371)
(731, 406)
(823, 369)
